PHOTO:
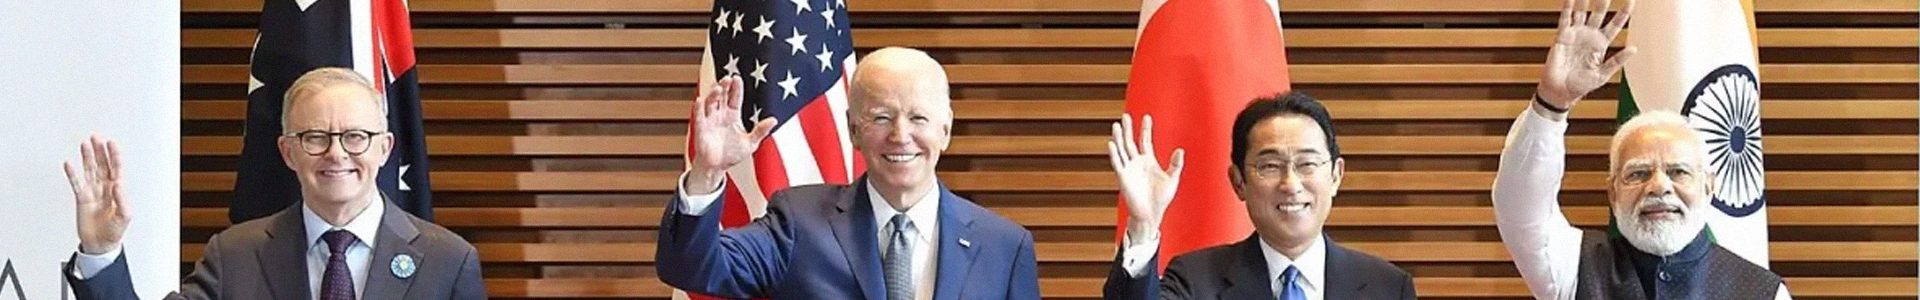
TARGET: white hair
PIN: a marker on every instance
(321, 78)
(1647, 120)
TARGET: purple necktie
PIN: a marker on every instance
(337, 284)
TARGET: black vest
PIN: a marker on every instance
(1611, 268)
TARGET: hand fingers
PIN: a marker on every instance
(100, 157)
(1177, 163)
(735, 93)
(73, 179)
(1619, 22)
(1580, 13)
(1113, 155)
(760, 131)
(87, 161)
(1120, 138)
(1132, 148)
(1566, 14)
(1599, 12)
(1146, 136)
(1619, 60)
(113, 161)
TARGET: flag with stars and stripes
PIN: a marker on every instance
(795, 58)
(375, 39)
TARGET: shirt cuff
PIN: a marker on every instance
(1539, 108)
(86, 265)
(696, 205)
(1137, 257)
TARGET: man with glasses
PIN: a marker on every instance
(1286, 168)
(1657, 181)
(345, 240)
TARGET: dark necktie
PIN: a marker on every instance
(899, 260)
(337, 283)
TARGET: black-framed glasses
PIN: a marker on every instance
(355, 142)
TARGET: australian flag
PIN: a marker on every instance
(375, 39)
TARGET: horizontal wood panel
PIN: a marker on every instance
(1083, 252)
(1078, 74)
(1342, 216)
(1070, 38)
(674, 146)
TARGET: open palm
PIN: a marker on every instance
(1577, 65)
(101, 214)
(1147, 188)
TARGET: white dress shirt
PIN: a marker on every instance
(365, 227)
(1312, 264)
(925, 233)
(1526, 206)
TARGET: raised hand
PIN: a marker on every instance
(1576, 66)
(719, 140)
(1147, 188)
(101, 212)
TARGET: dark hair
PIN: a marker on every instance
(1282, 104)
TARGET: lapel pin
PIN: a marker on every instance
(965, 243)
(403, 266)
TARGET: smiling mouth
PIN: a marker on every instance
(900, 158)
(1294, 207)
(340, 173)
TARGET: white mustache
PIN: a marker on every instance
(1660, 201)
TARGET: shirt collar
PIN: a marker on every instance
(1312, 263)
(924, 214)
(364, 227)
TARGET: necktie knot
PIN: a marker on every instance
(1290, 285)
(338, 240)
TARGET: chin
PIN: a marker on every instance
(1660, 237)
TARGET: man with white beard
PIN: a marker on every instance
(1656, 181)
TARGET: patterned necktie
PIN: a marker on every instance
(1290, 285)
(899, 260)
(337, 284)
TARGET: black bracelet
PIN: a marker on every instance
(1543, 104)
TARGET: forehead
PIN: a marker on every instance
(902, 95)
(1286, 133)
(335, 104)
(1660, 145)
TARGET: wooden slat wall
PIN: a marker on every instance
(556, 129)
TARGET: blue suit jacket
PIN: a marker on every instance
(820, 242)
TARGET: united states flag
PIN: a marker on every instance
(795, 57)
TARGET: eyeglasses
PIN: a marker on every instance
(1277, 169)
(355, 142)
(1638, 175)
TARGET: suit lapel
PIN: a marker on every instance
(1248, 279)
(853, 229)
(396, 237)
(286, 250)
(956, 257)
(1340, 284)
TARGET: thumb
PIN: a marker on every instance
(1177, 164)
(760, 130)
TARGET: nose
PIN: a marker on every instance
(1290, 184)
(899, 133)
(1660, 185)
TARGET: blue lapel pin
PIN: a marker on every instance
(403, 266)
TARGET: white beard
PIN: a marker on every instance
(1659, 237)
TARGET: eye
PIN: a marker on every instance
(1637, 175)
(882, 119)
(1679, 173)
(920, 119)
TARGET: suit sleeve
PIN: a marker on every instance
(696, 255)
(1407, 288)
(1125, 285)
(116, 281)
(468, 285)
(1026, 277)
(1526, 205)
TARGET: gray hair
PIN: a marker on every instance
(1648, 120)
(322, 78)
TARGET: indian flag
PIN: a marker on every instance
(1697, 57)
